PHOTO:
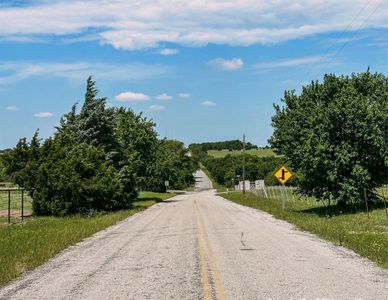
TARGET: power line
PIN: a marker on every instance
(347, 27)
(342, 34)
(352, 37)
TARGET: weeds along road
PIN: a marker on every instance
(199, 246)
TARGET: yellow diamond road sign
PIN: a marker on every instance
(283, 175)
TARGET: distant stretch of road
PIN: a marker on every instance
(202, 182)
(200, 246)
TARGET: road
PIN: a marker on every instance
(202, 182)
(200, 246)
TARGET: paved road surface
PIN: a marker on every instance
(199, 246)
(202, 182)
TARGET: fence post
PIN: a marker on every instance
(22, 205)
(9, 206)
(285, 191)
(366, 202)
(385, 204)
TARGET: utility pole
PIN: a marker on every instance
(243, 174)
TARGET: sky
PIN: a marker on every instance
(202, 70)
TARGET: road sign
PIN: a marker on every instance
(166, 183)
(283, 175)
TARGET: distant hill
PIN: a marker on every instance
(259, 152)
(222, 148)
(224, 145)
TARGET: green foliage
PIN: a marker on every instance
(80, 181)
(139, 143)
(199, 151)
(3, 173)
(335, 132)
(260, 152)
(172, 164)
(23, 162)
(97, 160)
(225, 170)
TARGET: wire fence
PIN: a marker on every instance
(286, 193)
(289, 193)
(15, 205)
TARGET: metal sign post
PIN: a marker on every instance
(283, 175)
(167, 184)
(22, 205)
(9, 206)
(283, 195)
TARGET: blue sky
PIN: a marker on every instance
(203, 70)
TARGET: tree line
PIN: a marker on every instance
(227, 171)
(333, 136)
(336, 134)
(97, 160)
(199, 150)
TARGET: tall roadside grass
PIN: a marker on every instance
(366, 234)
(26, 246)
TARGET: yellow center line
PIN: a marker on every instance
(202, 262)
(220, 292)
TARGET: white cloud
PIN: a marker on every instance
(294, 62)
(168, 51)
(133, 24)
(157, 107)
(164, 96)
(132, 97)
(14, 71)
(227, 65)
(184, 95)
(44, 114)
(12, 108)
(208, 103)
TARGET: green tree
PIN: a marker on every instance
(138, 140)
(79, 179)
(96, 123)
(225, 170)
(3, 173)
(335, 133)
(22, 162)
(97, 160)
(173, 164)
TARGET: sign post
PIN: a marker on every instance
(283, 175)
(167, 184)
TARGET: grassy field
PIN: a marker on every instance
(25, 246)
(256, 152)
(368, 236)
(16, 206)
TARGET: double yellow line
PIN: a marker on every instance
(201, 234)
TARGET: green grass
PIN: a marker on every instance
(383, 191)
(16, 205)
(26, 246)
(16, 200)
(256, 152)
(367, 236)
